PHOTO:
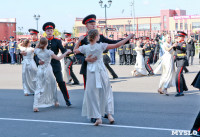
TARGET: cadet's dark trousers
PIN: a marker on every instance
(134, 59)
(147, 65)
(18, 58)
(190, 53)
(128, 59)
(61, 84)
(196, 125)
(5, 58)
(180, 81)
(12, 55)
(121, 59)
(111, 70)
(1, 58)
(71, 73)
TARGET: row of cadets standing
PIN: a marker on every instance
(90, 23)
(69, 60)
(127, 54)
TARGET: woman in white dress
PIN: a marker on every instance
(167, 79)
(98, 97)
(46, 88)
(140, 69)
(29, 69)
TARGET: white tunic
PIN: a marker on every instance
(29, 70)
(98, 97)
(167, 79)
(139, 65)
(46, 89)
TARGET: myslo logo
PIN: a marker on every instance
(184, 133)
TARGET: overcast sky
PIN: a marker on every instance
(64, 12)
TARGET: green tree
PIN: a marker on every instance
(19, 33)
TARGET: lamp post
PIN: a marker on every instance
(10, 25)
(133, 15)
(20, 29)
(105, 6)
(37, 17)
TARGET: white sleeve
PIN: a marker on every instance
(104, 46)
(51, 52)
(36, 51)
(82, 49)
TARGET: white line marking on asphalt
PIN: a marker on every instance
(89, 124)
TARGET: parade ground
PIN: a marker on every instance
(139, 110)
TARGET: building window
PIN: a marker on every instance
(165, 26)
(82, 29)
(155, 26)
(128, 28)
(164, 18)
(176, 26)
(186, 26)
(195, 25)
(142, 27)
(181, 26)
(119, 27)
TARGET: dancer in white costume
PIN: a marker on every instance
(167, 79)
(140, 69)
(29, 69)
(46, 88)
(98, 97)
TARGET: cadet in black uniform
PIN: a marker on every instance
(190, 49)
(147, 56)
(55, 45)
(121, 55)
(34, 42)
(90, 22)
(181, 62)
(128, 53)
(69, 44)
(5, 52)
(156, 52)
(133, 52)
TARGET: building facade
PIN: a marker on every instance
(169, 21)
(7, 28)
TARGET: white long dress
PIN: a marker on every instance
(167, 79)
(140, 65)
(29, 70)
(46, 89)
(98, 96)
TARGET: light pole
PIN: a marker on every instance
(20, 29)
(105, 6)
(37, 17)
(10, 25)
(133, 15)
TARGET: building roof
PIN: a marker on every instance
(13, 20)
